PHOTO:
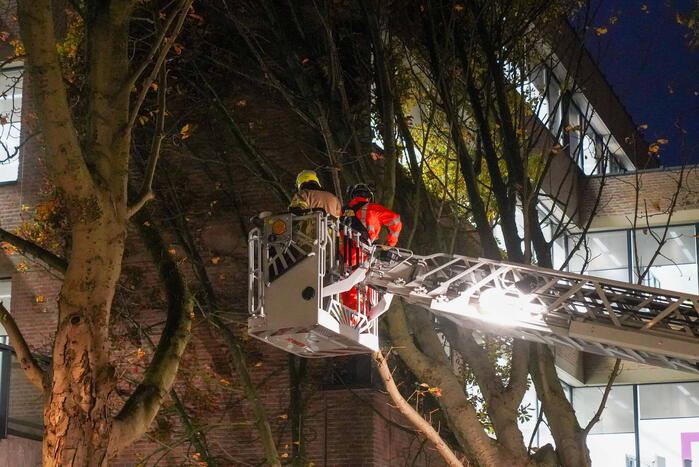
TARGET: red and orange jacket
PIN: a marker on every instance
(373, 216)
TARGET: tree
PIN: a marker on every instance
(465, 68)
(88, 150)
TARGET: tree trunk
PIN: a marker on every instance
(77, 412)
(571, 439)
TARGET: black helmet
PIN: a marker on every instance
(361, 190)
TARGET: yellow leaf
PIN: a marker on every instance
(142, 120)
(215, 260)
(25, 208)
(613, 20)
(154, 86)
(644, 7)
(600, 31)
(40, 299)
(663, 141)
(258, 364)
(140, 353)
(223, 381)
(172, 251)
(284, 455)
(146, 223)
(458, 7)
(643, 127)
(283, 416)
(184, 131)
(654, 147)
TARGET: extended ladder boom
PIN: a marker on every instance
(632, 322)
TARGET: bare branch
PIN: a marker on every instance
(139, 410)
(131, 82)
(422, 425)
(145, 194)
(34, 373)
(605, 396)
(168, 42)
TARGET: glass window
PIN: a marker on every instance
(617, 416)
(589, 154)
(601, 254)
(5, 296)
(669, 425)
(5, 288)
(573, 131)
(611, 441)
(675, 268)
(10, 122)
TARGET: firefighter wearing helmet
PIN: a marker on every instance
(311, 195)
(367, 217)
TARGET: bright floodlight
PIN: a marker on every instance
(507, 307)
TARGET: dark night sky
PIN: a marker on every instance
(646, 59)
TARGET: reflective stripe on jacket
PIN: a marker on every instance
(373, 216)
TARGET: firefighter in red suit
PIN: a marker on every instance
(365, 214)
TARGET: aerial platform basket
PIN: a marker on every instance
(295, 279)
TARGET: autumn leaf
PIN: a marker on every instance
(663, 141)
(184, 131)
(215, 260)
(22, 267)
(424, 385)
(654, 147)
(613, 20)
(224, 381)
(197, 17)
(177, 48)
(40, 299)
(284, 455)
(458, 8)
(140, 353)
(656, 205)
(643, 127)
(142, 120)
(305, 60)
(283, 416)
(600, 31)
(154, 86)
(172, 251)
(146, 223)
(436, 392)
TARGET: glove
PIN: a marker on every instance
(387, 254)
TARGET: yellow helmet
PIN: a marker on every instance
(306, 176)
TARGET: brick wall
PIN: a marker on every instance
(656, 190)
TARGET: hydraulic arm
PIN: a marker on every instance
(299, 265)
